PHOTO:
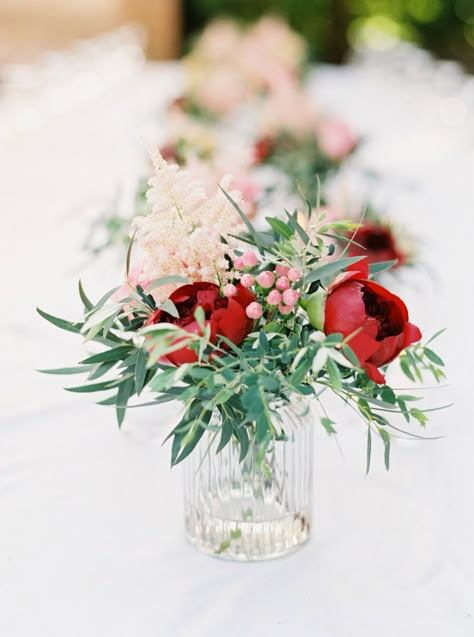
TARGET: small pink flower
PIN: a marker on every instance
(290, 297)
(230, 290)
(239, 264)
(266, 279)
(274, 298)
(293, 274)
(247, 280)
(281, 270)
(282, 283)
(254, 310)
(336, 139)
(285, 309)
(249, 259)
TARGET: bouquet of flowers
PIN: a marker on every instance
(235, 323)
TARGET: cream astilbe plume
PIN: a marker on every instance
(182, 233)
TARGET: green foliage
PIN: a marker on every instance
(301, 160)
(236, 391)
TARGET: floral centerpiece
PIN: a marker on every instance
(248, 330)
(292, 135)
(229, 64)
(243, 110)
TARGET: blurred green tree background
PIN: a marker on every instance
(333, 27)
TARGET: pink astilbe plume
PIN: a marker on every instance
(182, 233)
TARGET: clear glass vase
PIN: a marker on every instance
(259, 508)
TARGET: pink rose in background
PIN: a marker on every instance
(220, 39)
(251, 190)
(336, 139)
(223, 90)
(134, 278)
(264, 73)
(288, 109)
(278, 43)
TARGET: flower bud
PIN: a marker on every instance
(290, 297)
(247, 280)
(281, 270)
(230, 290)
(315, 308)
(254, 310)
(274, 298)
(239, 264)
(266, 279)
(282, 283)
(249, 259)
(293, 274)
(285, 309)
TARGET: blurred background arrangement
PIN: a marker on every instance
(332, 28)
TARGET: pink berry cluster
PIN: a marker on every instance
(276, 285)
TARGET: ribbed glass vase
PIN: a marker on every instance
(259, 508)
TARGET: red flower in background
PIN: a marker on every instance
(378, 318)
(377, 244)
(263, 148)
(178, 104)
(169, 154)
(226, 316)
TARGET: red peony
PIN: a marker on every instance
(355, 303)
(378, 244)
(226, 316)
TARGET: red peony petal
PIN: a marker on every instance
(411, 334)
(354, 271)
(182, 356)
(207, 298)
(190, 290)
(364, 343)
(244, 296)
(345, 310)
(385, 295)
(341, 278)
(361, 267)
(186, 355)
(374, 373)
(153, 318)
(389, 348)
(231, 322)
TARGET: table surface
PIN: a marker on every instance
(91, 533)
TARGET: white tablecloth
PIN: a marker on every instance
(91, 535)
